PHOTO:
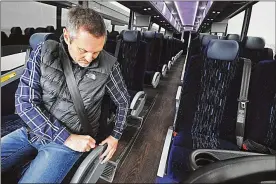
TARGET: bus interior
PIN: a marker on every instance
(202, 81)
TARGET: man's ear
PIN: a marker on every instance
(66, 36)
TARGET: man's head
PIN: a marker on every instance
(85, 35)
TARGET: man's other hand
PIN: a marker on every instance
(111, 148)
(80, 143)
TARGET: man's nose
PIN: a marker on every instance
(89, 57)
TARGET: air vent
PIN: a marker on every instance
(109, 171)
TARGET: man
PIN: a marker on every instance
(44, 103)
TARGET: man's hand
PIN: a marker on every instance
(80, 143)
(111, 148)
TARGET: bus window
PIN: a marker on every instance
(235, 24)
(121, 28)
(14, 14)
(108, 25)
(23, 19)
(162, 30)
(262, 23)
(154, 27)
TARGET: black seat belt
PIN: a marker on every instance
(240, 124)
(75, 93)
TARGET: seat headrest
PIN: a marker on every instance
(122, 32)
(207, 38)
(50, 29)
(113, 35)
(235, 37)
(159, 35)
(254, 42)
(131, 36)
(226, 50)
(149, 34)
(3, 35)
(16, 30)
(223, 38)
(29, 31)
(40, 30)
(268, 54)
(41, 37)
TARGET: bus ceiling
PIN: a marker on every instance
(222, 10)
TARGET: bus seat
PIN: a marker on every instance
(195, 47)
(152, 76)
(41, 37)
(169, 52)
(202, 108)
(4, 39)
(194, 62)
(165, 55)
(40, 30)
(268, 54)
(205, 40)
(132, 63)
(253, 49)
(16, 36)
(173, 49)
(50, 29)
(163, 67)
(111, 42)
(28, 32)
(235, 37)
(261, 117)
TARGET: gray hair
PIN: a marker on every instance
(86, 18)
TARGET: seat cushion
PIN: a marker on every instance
(165, 179)
(188, 140)
(182, 147)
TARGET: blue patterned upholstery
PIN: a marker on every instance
(261, 116)
(203, 109)
(153, 56)
(128, 58)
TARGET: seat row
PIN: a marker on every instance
(208, 116)
(17, 38)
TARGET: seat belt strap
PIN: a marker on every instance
(118, 45)
(242, 101)
(75, 93)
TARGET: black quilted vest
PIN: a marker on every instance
(91, 83)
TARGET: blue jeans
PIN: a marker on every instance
(51, 165)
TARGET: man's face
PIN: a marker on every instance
(84, 47)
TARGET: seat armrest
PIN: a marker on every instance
(91, 168)
(156, 79)
(164, 70)
(165, 152)
(178, 94)
(137, 103)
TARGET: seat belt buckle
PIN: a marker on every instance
(243, 103)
